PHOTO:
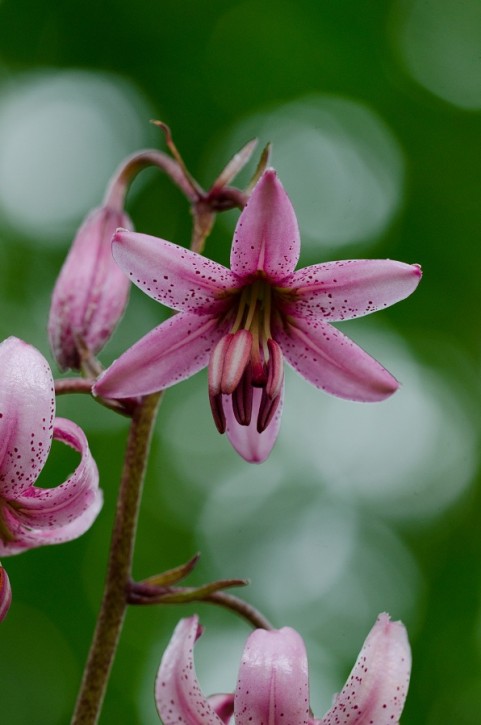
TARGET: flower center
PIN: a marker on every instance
(247, 358)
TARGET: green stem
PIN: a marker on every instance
(114, 603)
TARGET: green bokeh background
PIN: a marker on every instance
(213, 71)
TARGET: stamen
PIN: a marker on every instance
(242, 398)
(275, 369)
(236, 358)
(217, 408)
(216, 364)
(267, 410)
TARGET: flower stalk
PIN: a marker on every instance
(114, 603)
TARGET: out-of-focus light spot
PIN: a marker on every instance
(29, 636)
(440, 43)
(409, 456)
(298, 547)
(308, 559)
(339, 162)
(61, 137)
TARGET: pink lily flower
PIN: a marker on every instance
(242, 322)
(32, 516)
(273, 687)
(90, 293)
(5, 593)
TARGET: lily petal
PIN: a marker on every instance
(55, 515)
(181, 279)
(223, 706)
(273, 687)
(6, 594)
(177, 692)
(171, 352)
(377, 686)
(266, 238)
(331, 361)
(351, 288)
(27, 409)
(253, 446)
(91, 291)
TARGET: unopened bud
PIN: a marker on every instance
(91, 291)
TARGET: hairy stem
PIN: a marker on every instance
(114, 603)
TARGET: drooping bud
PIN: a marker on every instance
(91, 291)
(5, 593)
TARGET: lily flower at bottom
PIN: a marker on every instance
(273, 688)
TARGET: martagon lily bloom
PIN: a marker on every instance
(32, 516)
(242, 322)
(273, 687)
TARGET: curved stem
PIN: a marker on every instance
(133, 164)
(73, 385)
(240, 607)
(114, 603)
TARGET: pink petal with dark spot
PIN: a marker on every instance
(376, 689)
(27, 409)
(273, 687)
(266, 238)
(331, 361)
(177, 277)
(53, 515)
(351, 288)
(172, 352)
(177, 692)
(252, 446)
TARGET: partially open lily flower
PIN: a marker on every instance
(90, 293)
(242, 322)
(273, 688)
(31, 516)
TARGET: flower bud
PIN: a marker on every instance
(91, 291)
(5, 593)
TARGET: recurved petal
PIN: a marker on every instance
(377, 686)
(273, 680)
(44, 516)
(331, 361)
(177, 692)
(171, 352)
(253, 446)
(266, 238)
(27, 409)
(5, 594)
(91, 291)
(177, 277)
(351, 288)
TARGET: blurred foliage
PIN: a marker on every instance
(207, 69)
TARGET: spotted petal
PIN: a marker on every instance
(266, 237)
(181, 279)
(377, 686)
(331, 361)
(54, 515)
(351, 288)
(273, 680)
(171, 352)
(252, 446)
(177, 692)
(27, 409)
